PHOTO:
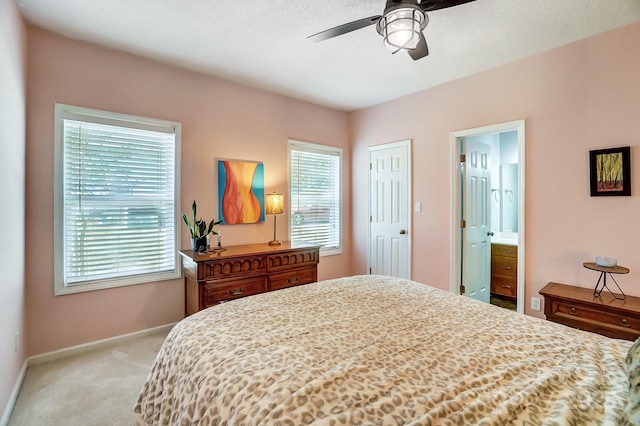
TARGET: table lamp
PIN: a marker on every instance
(274, 205)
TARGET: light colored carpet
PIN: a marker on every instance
(98, 387)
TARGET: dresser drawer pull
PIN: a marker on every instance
(507, 251)
(573, 311)
(293, 280)
(508, 268)
(506, 286)
(236, 291)
(624, 322)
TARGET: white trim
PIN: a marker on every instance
(67, 352)
(324, 150)
(97, 344)
(408, 144)
(316, 147)
(107, 117)
(62, 112)
(454, 185)
(14, 394)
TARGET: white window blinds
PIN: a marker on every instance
(118, 201)
(315, 194)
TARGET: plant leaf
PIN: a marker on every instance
(202, 226)
(188, 223)
(199, 228)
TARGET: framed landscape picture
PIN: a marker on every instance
(610, 171)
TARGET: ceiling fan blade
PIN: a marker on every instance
(421, 49)
(428, 5)
(344, 28)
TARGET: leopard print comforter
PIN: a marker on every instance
(380, 351)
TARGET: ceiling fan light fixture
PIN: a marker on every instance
(401, 27)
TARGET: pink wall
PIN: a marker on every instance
(12, 194)
(579, 97)
(219, 119)
(576, 98)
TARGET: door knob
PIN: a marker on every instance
(403, 231)
(490, 234)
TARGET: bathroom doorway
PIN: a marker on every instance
(487, 227)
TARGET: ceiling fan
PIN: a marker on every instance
(401, 25)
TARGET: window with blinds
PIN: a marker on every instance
(116, 200)
(315, 195)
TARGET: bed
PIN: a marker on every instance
(380, 350)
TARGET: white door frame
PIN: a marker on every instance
(405, 143)
(455, 188)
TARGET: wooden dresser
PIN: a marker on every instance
(212, 278)
(576, 307)
(504, 270)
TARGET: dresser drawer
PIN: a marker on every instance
(233, 267)
(504, 250)
(297, 259)
(504, 286)
(215, 292)
(291, 278)
(505, 266)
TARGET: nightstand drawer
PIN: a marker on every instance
(291, 278)
(576, 310)
(576, 307)
(215, 293)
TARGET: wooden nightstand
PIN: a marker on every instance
(578, 308)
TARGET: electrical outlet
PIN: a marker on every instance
(17, 341)
(535, 303)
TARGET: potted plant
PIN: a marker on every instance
(199, 229)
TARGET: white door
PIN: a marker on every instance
(389, 209)
(476, 255)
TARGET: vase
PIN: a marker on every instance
(199, 245)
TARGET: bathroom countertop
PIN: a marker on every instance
(505, 241)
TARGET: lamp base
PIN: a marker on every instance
(275, 243)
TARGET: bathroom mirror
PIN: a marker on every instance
(509, 198)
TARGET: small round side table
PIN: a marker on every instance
(604, 270)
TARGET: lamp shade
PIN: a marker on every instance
(274, 203)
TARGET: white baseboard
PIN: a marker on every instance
(67, 352)
(74, 350)
(14, 394)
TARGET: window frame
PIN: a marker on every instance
(296, 145)
(69, 112)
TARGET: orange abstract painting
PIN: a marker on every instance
(240, 191)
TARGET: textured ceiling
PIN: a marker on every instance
(263, 43)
